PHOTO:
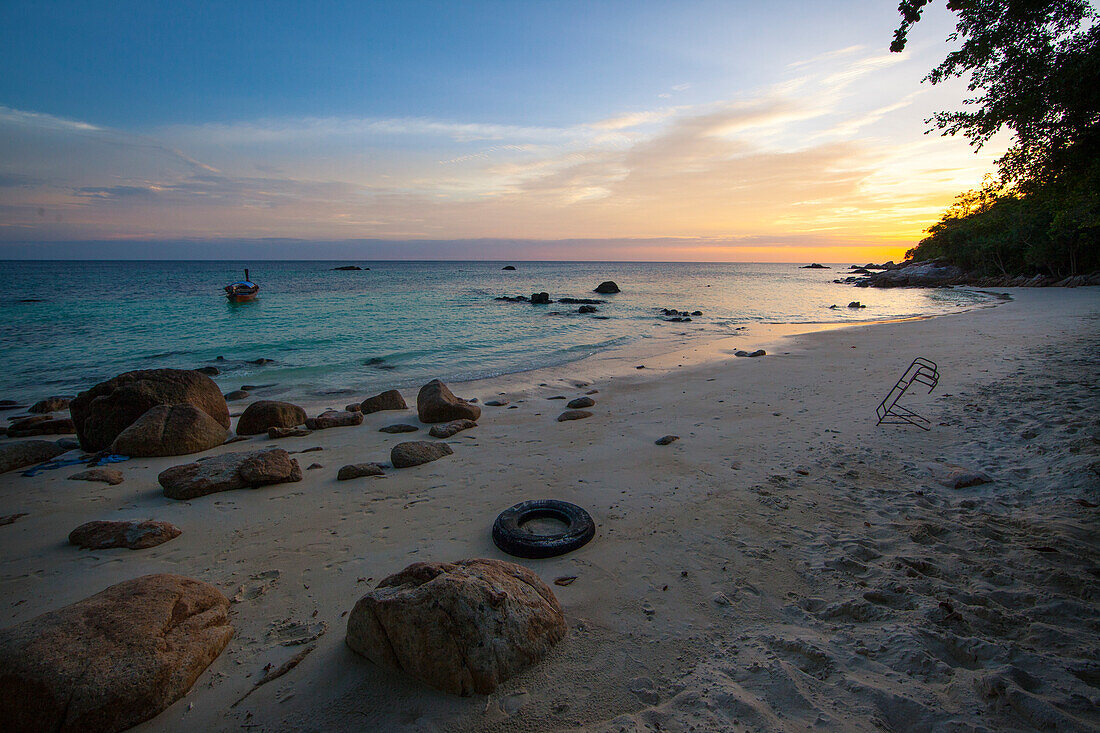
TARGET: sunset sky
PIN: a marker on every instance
(781, 131)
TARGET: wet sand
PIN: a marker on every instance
(787, 564)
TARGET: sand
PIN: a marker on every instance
(785, 565)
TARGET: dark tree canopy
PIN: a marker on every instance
(1033, 67)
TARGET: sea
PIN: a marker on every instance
(324, 332)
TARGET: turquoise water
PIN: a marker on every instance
(396, 325)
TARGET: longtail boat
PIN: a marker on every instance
(242, 291)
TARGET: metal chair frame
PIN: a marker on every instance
(922, 371)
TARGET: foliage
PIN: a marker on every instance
(1034, 66)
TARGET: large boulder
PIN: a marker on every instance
(170, 430)
(436, 403)
(416, 452)
(27, 453)
(105, 410)
(460, 627)
(259, 417)
(388, 400)
(229, 471)
(113, 660)
(134, 535)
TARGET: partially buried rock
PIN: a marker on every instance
(260, 416)
(508, 267)
(956, 477)
(461, 627)
(574, 415)
(758, 352)
(210, 371)
(104, 535)
(237, 394)
(334, 419)
(110, 476)
(453, 427)
(416, 452)
(580, 402)
(607, 287)
(587, 309)
(101, 413)
(229, 471)
(667, 439)
(398, 428)
(27, 453)
(856, 304)
(496, 403)
(389, 400)
(288, 432)
(53, 404)
(436, 403)
(170, 430)
(359, 470)
(40, 425)
(113, 660)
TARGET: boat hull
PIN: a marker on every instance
(241, 297)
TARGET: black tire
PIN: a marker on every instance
(510, 537)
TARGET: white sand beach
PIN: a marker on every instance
(785, 565)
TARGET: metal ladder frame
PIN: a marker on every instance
(921, 371)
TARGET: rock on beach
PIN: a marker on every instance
(334, 419)
(170, 430)
(133, 535)
(110, 476)
(461, 627)
(417, 452)
(27, 453)
(448, 429)
(101, 413)
(389, 400)
(229, 471)
(112, 660)
(573, 415)
(359, 470)
(436, 403)
(261, 416)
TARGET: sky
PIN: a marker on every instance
(684, 131)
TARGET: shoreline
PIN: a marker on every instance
(784, 565)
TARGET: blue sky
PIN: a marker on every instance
(741, 126)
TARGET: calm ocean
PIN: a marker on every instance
(67, 325)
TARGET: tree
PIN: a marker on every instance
(1034, 66)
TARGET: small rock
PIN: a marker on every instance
(580, 402)
(40, 425)
(587, 309)
(496, 403)
(574, 415)
(436, 403)
(540, 299)
(353, 407)
(103, 535)
(359, 470)
(417, 452)
(399, 428)
(236, 395)
(110, 476)
(388, 400)
(261, 416)
(856, 304)
(53, 404)
(508, 267)
(607, 287)
(210, 371)
(446, 430)
(334, 419)
(314, 466)
(288, 432)
(665, 440)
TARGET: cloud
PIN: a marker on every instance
(781, 163)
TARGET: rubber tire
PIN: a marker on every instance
(511, 538)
